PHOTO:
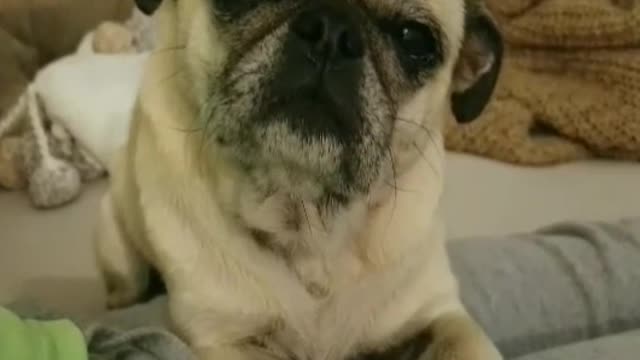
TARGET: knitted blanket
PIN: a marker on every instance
(570, 87)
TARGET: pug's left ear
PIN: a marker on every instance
(148, 7)
(479, 64)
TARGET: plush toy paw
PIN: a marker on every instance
(64, 147)
(113, 38)
(54, 183)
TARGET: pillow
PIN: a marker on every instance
(563, 284)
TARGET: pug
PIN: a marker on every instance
(284, 171)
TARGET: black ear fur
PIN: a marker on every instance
(467, 105)
(148, 7)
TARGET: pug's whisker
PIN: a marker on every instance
(424, 156)
(159, 51)
(187, 130)
(429, 132)
(385, 148)
(205, 116)
(395, 185)
(230, 83)
(171, 76)
(392, 162)
(306, 216)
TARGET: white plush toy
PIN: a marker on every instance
(78, 110)
(92, 96)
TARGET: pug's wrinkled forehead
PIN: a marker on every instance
(454, 25)
(445, 14)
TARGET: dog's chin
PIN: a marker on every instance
(311, 113)
(305, 150)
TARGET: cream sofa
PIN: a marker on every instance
(46, 256)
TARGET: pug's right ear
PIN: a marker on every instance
(479, 65)
(148, 7)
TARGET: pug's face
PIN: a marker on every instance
(319, 96)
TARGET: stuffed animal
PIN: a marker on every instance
(65, 127)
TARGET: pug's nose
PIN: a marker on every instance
(329, 33)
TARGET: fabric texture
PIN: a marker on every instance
(569, 89)
(564, 284)
(39, 340)
(567, 292)
(138, 333)
(616, 347)
(138, 344)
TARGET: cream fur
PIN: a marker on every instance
(376, 275)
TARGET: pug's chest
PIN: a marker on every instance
(330, 300)
(321, 329)
(316, 242)
(346, 310)
(350, 312)
(339, 296)
(322, 269)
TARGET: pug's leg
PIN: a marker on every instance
(239, 349)
(124, 270)
(456, 336)
(233, 353)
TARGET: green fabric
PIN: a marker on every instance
(39, 340)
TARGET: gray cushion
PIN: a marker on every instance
(561, 293)
(566, 283)
(617, 347)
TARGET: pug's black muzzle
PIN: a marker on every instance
(317, 84)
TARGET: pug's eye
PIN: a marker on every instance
(418, 42)
(417, 46)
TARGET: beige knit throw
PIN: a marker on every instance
(570, 87)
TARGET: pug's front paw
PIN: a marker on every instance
(445, 350)
(457, 337)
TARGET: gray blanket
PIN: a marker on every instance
(568, 292)
(565, 284)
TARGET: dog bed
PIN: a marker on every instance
(569, 292)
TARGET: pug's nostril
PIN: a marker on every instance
(310, 28)
(330, 33)
(350, 45)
